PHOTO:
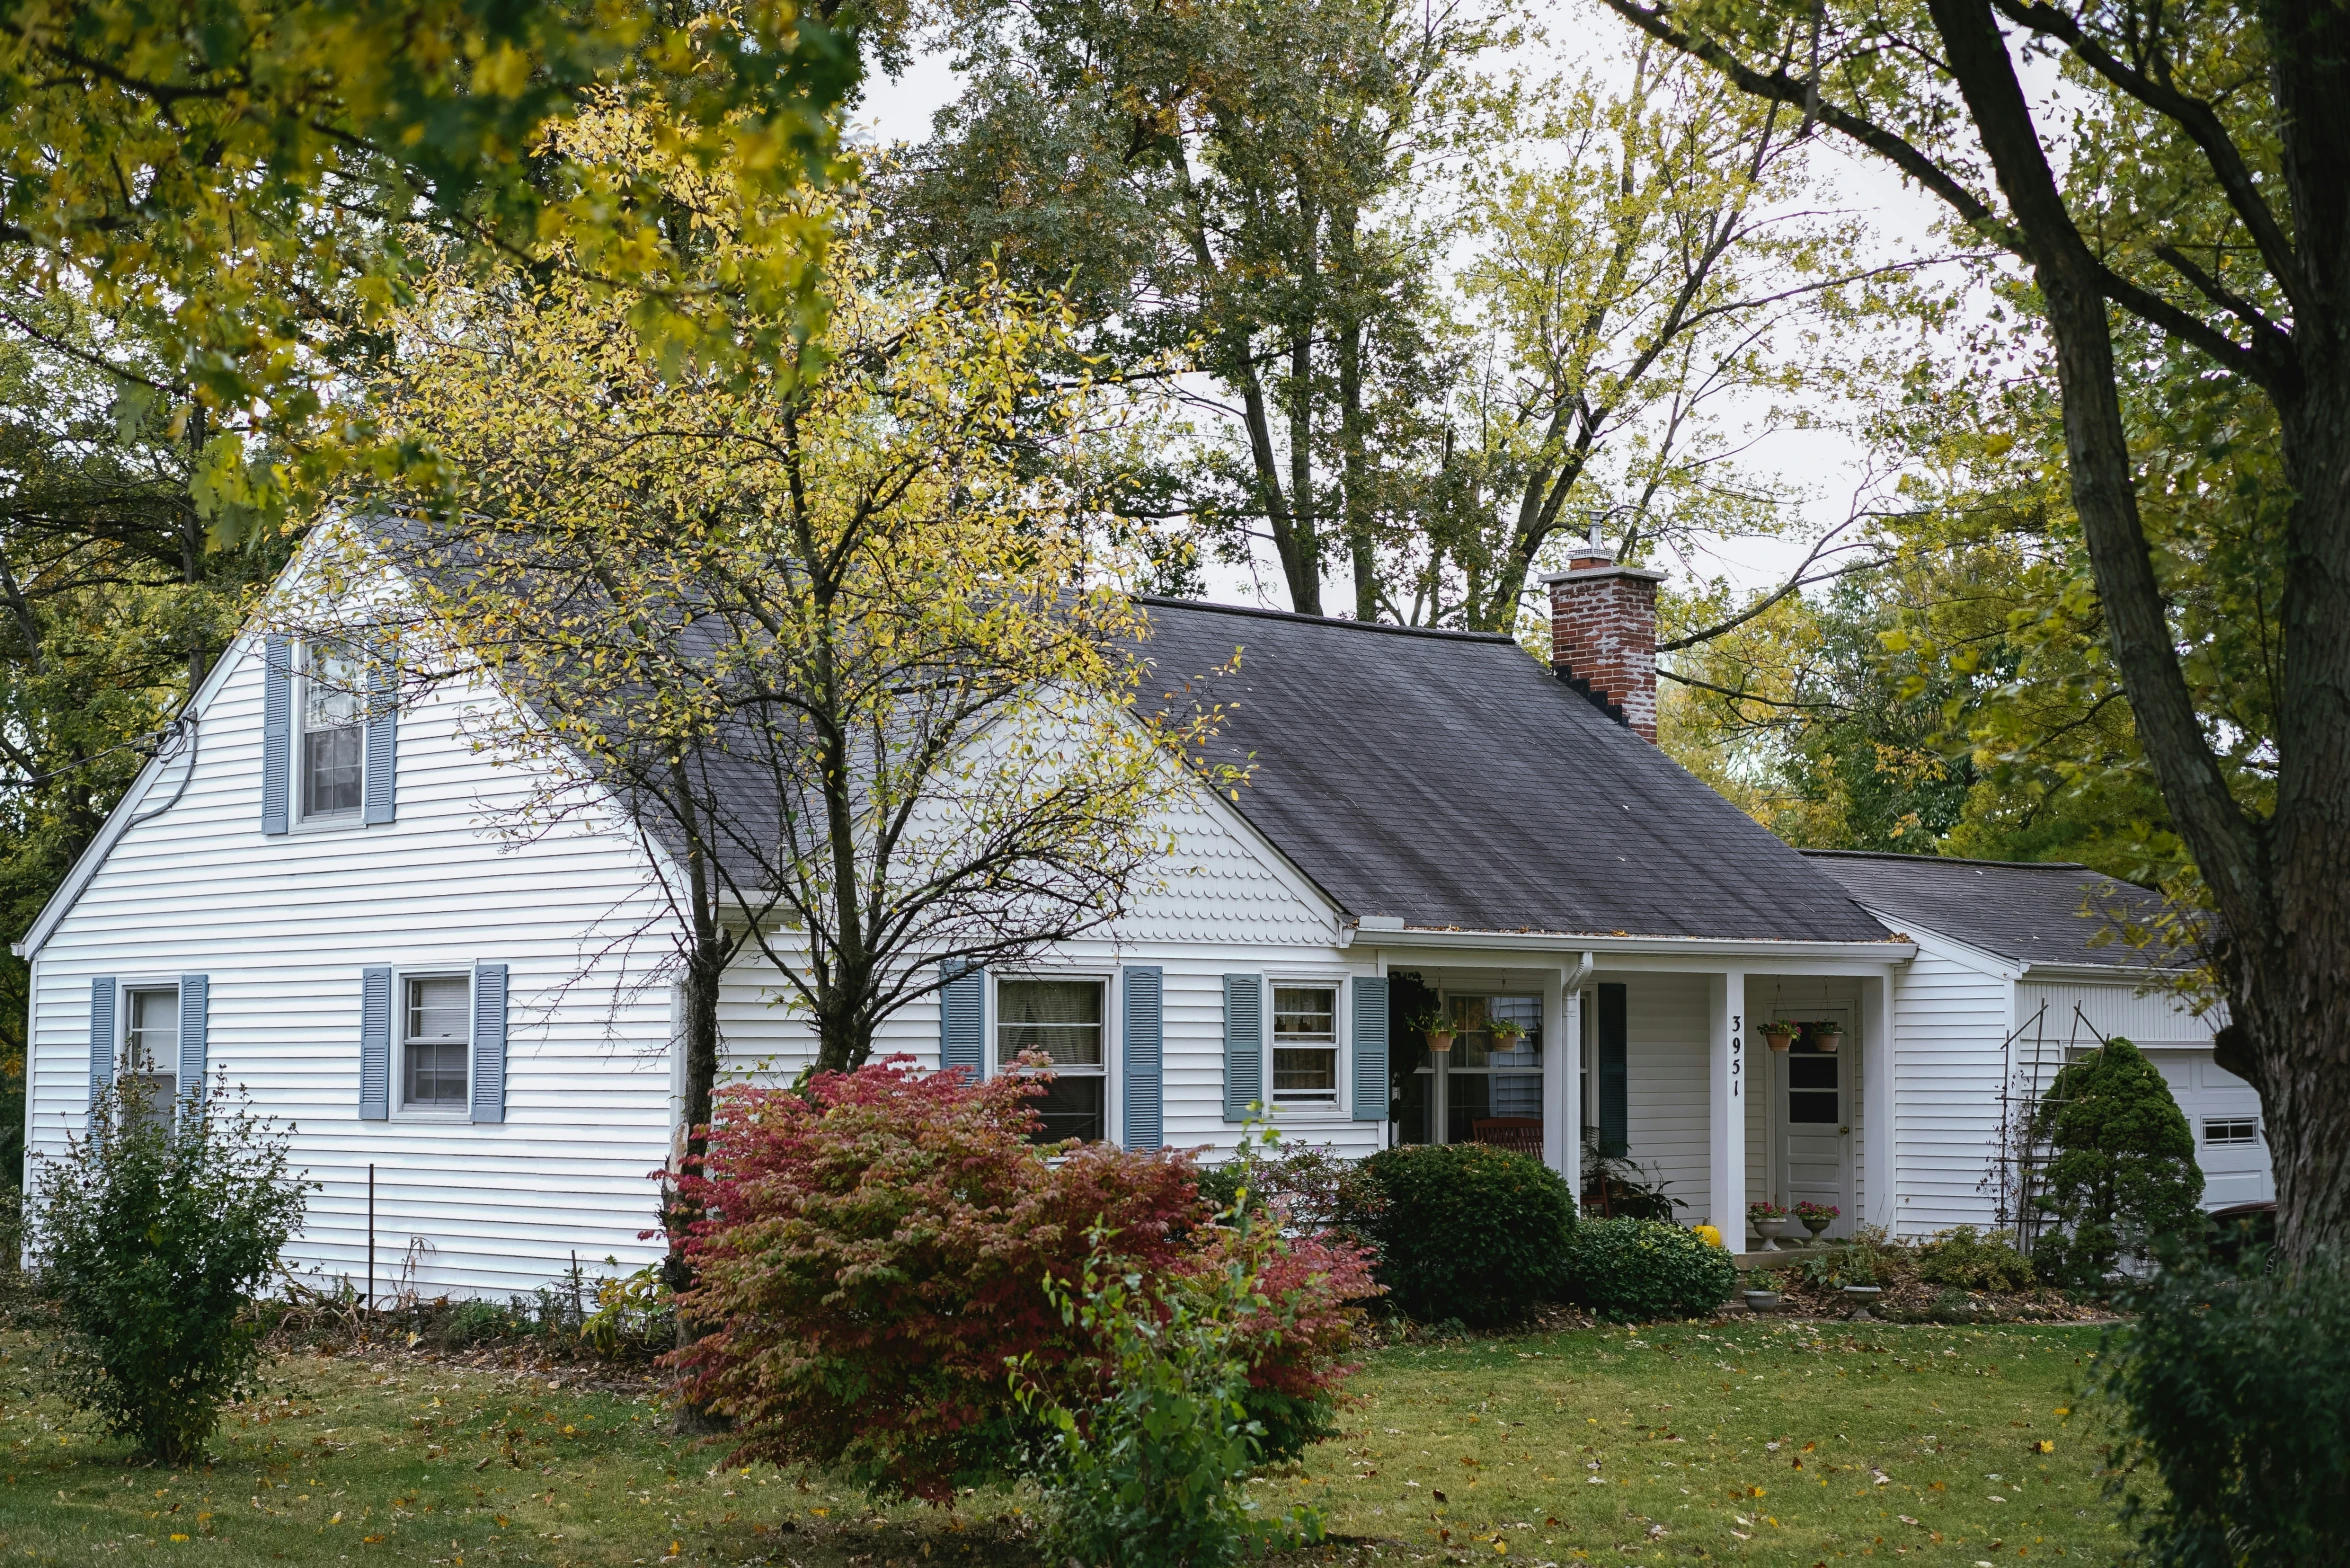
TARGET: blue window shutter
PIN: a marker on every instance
(195, 1006)
(277, 732)
(1615, 1073)
(375, 1044)
(1244, 1045)
(961, 1021)
(1146, 1042)
(1370, 1043)
(102, 994)
(383, 738)
(489, 1042)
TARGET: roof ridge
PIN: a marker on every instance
(1953, 860)
(1209, 606)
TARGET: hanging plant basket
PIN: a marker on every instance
(1828, 1036)
(1439, 1041)
(1778, 1039)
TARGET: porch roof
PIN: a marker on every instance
(1448, 780)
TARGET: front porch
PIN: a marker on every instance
(1654, 1056)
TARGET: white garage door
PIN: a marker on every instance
(2225, 1114)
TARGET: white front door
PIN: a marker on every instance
(1812, 1101)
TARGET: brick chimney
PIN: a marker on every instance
(1603, 634)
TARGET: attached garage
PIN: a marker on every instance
(2046, 938)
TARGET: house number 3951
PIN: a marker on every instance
(1737, 1053)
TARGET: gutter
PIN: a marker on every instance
(1373, 931)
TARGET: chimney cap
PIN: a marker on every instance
(1580, 571)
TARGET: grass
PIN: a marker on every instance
(1600, 1446)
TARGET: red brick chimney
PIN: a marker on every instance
(1603, 633)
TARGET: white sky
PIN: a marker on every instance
(1825, 465)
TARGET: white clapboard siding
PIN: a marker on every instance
(283, 926)
(2150, 1017)
(1668, 1058)
(1951, 1019)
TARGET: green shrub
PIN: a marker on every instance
(1468, 1231)
(474, 1323)
(1635, 1270)
(2124, 1179)
(1965, 1260)
(2234, 1393)
(1312, 1189)
(152, 1239)
(1150, 1474)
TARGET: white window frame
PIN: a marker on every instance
(301, 820)
(462, 1111)
(1337, 1108)
(2258, 1139)
(1113, 1131)
(1440, 1096)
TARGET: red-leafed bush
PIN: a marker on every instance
(874, 1256)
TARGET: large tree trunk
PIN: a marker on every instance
(2282, 889)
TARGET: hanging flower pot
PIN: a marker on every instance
(1827, 1036)
(1781, 1035)
(1439, 1041)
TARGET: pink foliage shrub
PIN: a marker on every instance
(873, 1255)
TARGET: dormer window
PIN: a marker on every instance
(334, 734)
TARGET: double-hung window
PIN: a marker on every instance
(151, 1050)
(1064, 1020)
(332, 755)
(436, 1017)
(1305, 1045)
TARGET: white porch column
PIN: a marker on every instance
(1881, 1186)
(1726, 1083)
(1562, 1056)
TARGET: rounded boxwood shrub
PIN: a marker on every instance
(1468, 1231)
(1631, 1270)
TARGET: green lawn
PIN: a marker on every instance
(1607, 1446)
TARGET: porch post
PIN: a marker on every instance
(1727, 1118)
(1881, 1187)
(1562, 1116)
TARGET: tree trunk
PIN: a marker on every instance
(2282, 892)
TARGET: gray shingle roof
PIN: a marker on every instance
(2034, 912)
(1449, 779)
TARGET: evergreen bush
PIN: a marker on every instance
(2234, 1393)
(2123, 1180)
(152, 1238)
(1636, 1270)
(1468, 1232)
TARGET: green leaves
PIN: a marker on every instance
(252, 185)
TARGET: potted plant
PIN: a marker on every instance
(1827, 1036)
(1763, 1290)
(1816, 1217)
(1780, 1033)
(1506, 1032)
(1769, 1221)
(1438, 1031)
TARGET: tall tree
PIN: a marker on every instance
(1229, 189)
(1655, 260)
(2200, 190)
(241, 185)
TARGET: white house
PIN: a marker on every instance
(472, 1035)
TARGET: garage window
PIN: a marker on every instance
(2233, 1130)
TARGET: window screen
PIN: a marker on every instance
(1305, 1045)
(435, 1027)
(334, 732)
(151, 1053)
(1063, 1019)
